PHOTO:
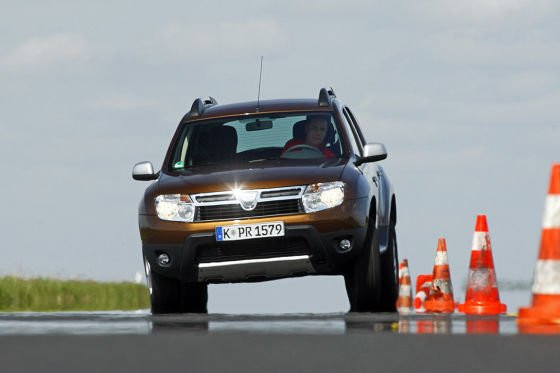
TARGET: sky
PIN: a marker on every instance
(465, 96)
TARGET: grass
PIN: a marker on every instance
(43, 294)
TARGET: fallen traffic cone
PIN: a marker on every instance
(482, 296)
(423, 285)
(440, 298)
(546, 281)
(404, 301)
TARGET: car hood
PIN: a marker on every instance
(259, 175)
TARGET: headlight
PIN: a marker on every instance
(323, 196)
(175, 207)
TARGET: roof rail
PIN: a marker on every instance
(200, 104)
(325, 96)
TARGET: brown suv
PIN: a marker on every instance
(263, 190)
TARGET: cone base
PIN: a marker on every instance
(405, 310)
(479, 308)
(439, 306)
(539, 315)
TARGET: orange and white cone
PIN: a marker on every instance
(440, 298)
(482, 297)
(404, 301)
(401, 266)
(423, 286)
(546, 281)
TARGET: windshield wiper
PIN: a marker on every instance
(263, 159)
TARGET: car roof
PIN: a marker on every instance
(265, 106)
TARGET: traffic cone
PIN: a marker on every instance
(440, 298)
(546, 281)
(401, 266)
(482, 296)
(404, 301)
(423, 285)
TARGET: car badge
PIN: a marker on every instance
(248, 199)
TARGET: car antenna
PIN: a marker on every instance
(259, 93)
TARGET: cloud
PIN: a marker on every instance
(493, 9)
(230, 38)
(486, 49)
(124, 102)
(39, 53)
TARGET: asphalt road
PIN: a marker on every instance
(138, 342)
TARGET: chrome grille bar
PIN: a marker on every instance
(227, 198)
(216, 206)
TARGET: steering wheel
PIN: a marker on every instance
(309, 152)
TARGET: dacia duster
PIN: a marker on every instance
(264, 190)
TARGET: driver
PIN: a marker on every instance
(316, 128)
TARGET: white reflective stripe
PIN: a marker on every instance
(422, 295)
(547, 277)
(405, 291)
(250, 261)
(404, 309)
(444, 285)
(551, 218)
(404, 272)
(481, 241)
(441, 258)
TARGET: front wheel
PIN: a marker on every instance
(363, 281)
(164, 294)
(169, 295)
(194, 297)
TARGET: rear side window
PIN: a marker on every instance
(257, 138)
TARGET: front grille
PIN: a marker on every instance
(281, 193)
(215, 198)
(234, 211)
(251, 249)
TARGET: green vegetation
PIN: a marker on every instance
(42, 294)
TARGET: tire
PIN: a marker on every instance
(165, 294)
(194, 297)
(171, 296)
(363, 281)
(390, 273)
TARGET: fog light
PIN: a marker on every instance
(163, 259)
(345, 245)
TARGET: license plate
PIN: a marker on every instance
(249, 231)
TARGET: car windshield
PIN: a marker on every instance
(258, 138)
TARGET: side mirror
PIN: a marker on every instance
(373, 152)
(144, 171)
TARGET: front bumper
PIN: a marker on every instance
(310, 246)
